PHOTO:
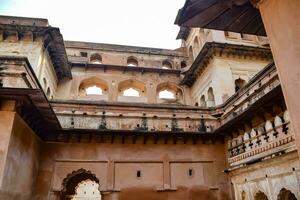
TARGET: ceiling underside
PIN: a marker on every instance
(236, 15)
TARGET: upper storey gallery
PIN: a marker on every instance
(206, 70)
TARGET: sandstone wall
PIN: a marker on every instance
(19, 157)
(164, 169)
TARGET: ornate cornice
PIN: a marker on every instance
(211, 49)
(52, 41)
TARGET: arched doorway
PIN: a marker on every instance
(243, 195)
(260, 196)
(285, 194)
(81, 184)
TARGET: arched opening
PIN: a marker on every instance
(93, 90)
(87, 190)
(285, 194)
(169, 93)
(243, 195)
(260, 196)
(239, 83)
(202, 101)
(48, 92)
(166, 64)
(96, 58)
(166, 94)
(191, 55)
(92, 86)
(132, 91)
(44, 83)
(132, 61)
(183, 64)
(210, 97)
(81, 184)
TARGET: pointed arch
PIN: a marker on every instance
(96, 58)
(191, 54)
(239, 83)
(132, 91)
(48, 92)
(260, 196)
(168, 92)
(132, 61)
(73, 179)
(183, 64)
(92, 86)
(202, 101)
(167, 64)
(243, 195)
(210, 97)
(285, 194)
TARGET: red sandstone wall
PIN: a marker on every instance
(164, 169)
(21, 162)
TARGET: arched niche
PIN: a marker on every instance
(183, 64)
(132, 61)
(166, 64)
(93, 88)
(260, 196)
(203, 101)
(87, 190)
(132, 91)
(96, 58)
(191, 54)
(169, 93)
(48, 92)
(44, 83)
(285, 194)
(74, 180)
(239, 83)
(210, 97)
(243, 195)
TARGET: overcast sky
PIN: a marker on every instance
(147, 23)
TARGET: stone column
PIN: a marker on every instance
(166, 174)
(7, 113)
(151, 93)
(281, 20)
(113, 91)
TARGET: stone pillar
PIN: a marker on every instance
(7, 114)
(151, 93)
(166, 174)
(281, 20)
(113, 91)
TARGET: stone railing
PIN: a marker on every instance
(265, 141)
(139, 117)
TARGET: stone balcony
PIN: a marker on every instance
(260, 86)
(16, 72)
(265, 141)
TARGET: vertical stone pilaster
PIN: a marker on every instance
(166, 174)
(110, 175)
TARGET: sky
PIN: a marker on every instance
(147, 23)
